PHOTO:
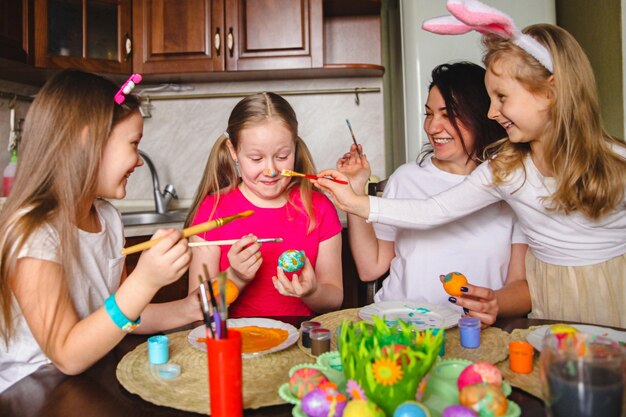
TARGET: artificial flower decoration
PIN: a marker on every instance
(355, 391)
(388, 362)
(386, 371)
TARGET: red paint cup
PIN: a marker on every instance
(225, 376)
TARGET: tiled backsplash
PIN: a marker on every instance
(179, 135)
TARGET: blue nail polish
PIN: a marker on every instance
(464, 289)
(466, 311)
(452, 299)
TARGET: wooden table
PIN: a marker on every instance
(97, 393)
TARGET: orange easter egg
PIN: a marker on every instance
(232, 291)
(453, 282)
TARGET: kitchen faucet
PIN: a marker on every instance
(161, 199)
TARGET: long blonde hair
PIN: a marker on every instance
(590, 175)
(220, 174)
(64, 134)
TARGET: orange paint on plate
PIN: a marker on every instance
(257, 339)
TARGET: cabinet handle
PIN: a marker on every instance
(217, 41)
(128, 45)
(230, 41)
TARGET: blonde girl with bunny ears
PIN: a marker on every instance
(562, 174)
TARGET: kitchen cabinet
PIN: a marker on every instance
(226, 35)
(94, 35)
(15, 38)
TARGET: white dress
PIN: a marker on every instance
(102, 267)
(477, 245)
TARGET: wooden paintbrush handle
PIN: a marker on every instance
(190, 231)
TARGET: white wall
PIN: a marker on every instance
(424, 50)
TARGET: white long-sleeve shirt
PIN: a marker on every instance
(555, 238)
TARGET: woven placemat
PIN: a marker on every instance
(531, 383)
(261, 376)
(494, 346)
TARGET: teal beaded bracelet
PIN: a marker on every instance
(120, 320)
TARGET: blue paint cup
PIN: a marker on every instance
(158, 350)
(469, 328)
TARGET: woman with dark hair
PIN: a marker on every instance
(485, 246)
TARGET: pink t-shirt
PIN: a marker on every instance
(259, 297)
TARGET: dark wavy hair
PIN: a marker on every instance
(462, 86)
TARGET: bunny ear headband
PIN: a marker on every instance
(468, 15)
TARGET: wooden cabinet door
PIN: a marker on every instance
(177, 36)
(274, 34)
(14, 30)
(87, 34)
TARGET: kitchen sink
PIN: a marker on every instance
(141, 218)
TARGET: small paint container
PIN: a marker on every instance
(158, 350)
(469, 327)
(305, 329)
(521, 357)
(320, 341)
(167, 370)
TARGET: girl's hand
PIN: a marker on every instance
(166, 261)
(300, 286)
(344, 196)
(481, 303)
(356, 168)
(245, 258)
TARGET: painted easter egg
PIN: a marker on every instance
(304, 380)
(362, 408)
(561, 328)
(411, 409)
(232, 291)
(479, 372)
(458, 411)
(484, 399)
(291, 260)
(323, 403)
(453, 282)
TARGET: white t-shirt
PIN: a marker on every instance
(554, 238)
(478, 245)
(100, 276)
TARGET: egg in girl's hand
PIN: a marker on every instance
(362, 408)
(305, 380)
(479, 372)
(411, 409)
(232, 291)
(453, 282)
(485, 399)
(291, 260)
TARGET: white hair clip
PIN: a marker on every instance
(468, 15)
(126, 88)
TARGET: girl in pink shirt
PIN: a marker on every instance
(243, 173)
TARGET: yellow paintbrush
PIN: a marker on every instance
(190, 231)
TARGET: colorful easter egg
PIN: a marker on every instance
(411, 409)
(561, 328)
(362, 408)
(324, 402)
(291, 260)
(304, 380)
(232, 291)
(479, 372)
(484, 399)
(458, 411)
(453, 282)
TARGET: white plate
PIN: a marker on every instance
(423, 315)
(535, 337)
(292, 336)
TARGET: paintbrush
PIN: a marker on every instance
(219, 324)
(190, 231)
(204, 302)
(353, 138)
(290, 173)
(232, 241)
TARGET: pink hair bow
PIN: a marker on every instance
(468, 15)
